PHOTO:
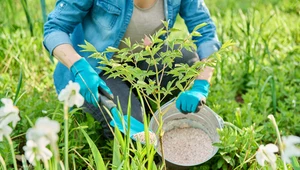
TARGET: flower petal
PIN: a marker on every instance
(70, 95)
(147, 41)
(48, 128)
(5, 131)
(7, 102)
(290, 140)
(260, 158)
(79, 101)
(271, 148)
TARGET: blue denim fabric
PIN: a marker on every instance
(103, 23)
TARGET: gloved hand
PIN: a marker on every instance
(189, 100)
(88, 80)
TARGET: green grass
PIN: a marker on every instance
(260, 75)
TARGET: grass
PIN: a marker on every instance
(259, 75)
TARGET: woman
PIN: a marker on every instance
(105, 23)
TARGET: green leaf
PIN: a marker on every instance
(154, 167)
(96, 154)
(174, 30)
(196, 34)
(166, 24)
(179, 86)
(88, 47)
(224, 167)
(112, 49)
(227, 44)
(220, 163)
(127, 42)
(120, 139)
(116, 162)
(229, 160)
(199, 26)
(295, 163)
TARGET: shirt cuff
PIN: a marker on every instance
(54, 39)
(205, 49)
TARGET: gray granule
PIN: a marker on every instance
(186, 146)
(142, 138)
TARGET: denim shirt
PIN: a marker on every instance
(103, 23)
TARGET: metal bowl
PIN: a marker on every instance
(206, 120)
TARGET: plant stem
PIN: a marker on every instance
(12, 151)
(66, 127)
(161, 134)
(233, 126)
(46, 164)
(56, 155)
(24, 163)
(89, 165)
(271, 117)
(2, 162)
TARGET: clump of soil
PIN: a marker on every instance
(186, 146)
(142, 138)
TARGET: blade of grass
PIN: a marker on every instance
(11, 9)
(90, 166)
(30, 122)
(18, 87)
(24, 163)
(150, 150)
(263, 88)
(2, 162)
(128, 140)
(295, 163)
(12, 152)
(96, 154)
(61, 165)
(121, 165)
(273, 88)
(116, 162)
(44, 13)
(25, 8)
(66, 133)
(74, 163)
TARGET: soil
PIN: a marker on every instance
(186, 146)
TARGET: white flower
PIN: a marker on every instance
(266, 153)
(37, 150)
(43, 133)
(34, 134)
(8, 106)
(5, 131)
(289, 148)
(70, 95)
(44, 127)
(8, 113)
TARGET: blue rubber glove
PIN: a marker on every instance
(189, 100)
(88, 80)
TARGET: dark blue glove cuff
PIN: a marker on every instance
(201, 86)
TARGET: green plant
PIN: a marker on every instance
(148, 82)
(273, 35)
(237, 147)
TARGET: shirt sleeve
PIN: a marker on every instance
(66, 15)
(195, 12)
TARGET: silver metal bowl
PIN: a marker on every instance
(206, 120)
